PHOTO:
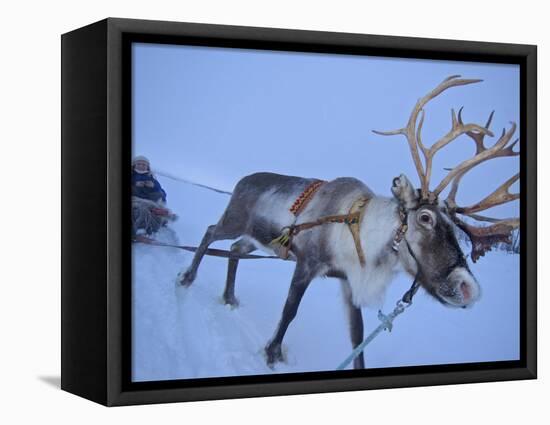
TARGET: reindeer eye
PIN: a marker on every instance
(425, 218)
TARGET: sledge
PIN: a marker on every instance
(149, 216)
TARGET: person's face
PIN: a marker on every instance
(141, 166)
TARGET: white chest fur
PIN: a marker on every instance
(368, 284)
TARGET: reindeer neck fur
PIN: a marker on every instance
(369, 283)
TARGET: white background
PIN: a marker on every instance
(30, 144)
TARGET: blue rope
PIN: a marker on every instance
(386, 324)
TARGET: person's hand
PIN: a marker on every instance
(149, 183)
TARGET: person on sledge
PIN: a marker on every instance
(144, 184)
(149, 212)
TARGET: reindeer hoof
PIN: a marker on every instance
(187, 278)
(273, 354)
(231, 301)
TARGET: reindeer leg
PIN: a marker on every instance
(241, 247)
(303, 276)
(213, 233)
(355, 319)
(190, 274)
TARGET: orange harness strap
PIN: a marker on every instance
(304, 198)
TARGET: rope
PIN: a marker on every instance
(173, 177)
(210, 251)
(386, 323)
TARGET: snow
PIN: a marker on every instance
(181, 333)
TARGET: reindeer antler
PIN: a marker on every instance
(414, 133)
(483, 238)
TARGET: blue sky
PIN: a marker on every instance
(214, 115)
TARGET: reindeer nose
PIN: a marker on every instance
(463, 290)
(466, 291)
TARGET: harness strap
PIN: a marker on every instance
(408, 296)
(352, 219)
(304, 198)
(400, 232)
(358, 209)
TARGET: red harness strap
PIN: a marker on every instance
(304, 198)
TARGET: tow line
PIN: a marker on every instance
(213, 252)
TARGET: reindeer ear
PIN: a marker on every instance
(404, 192)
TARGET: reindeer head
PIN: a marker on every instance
(431, 251)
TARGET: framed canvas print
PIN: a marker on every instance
(251, 212)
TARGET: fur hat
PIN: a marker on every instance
(140, 158)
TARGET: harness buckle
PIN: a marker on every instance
(386, 321)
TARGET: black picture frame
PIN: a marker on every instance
(96, 158)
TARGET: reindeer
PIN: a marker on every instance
(342, 229)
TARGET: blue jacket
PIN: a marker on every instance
(153, 193)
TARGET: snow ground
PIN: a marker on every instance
(181, 333)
